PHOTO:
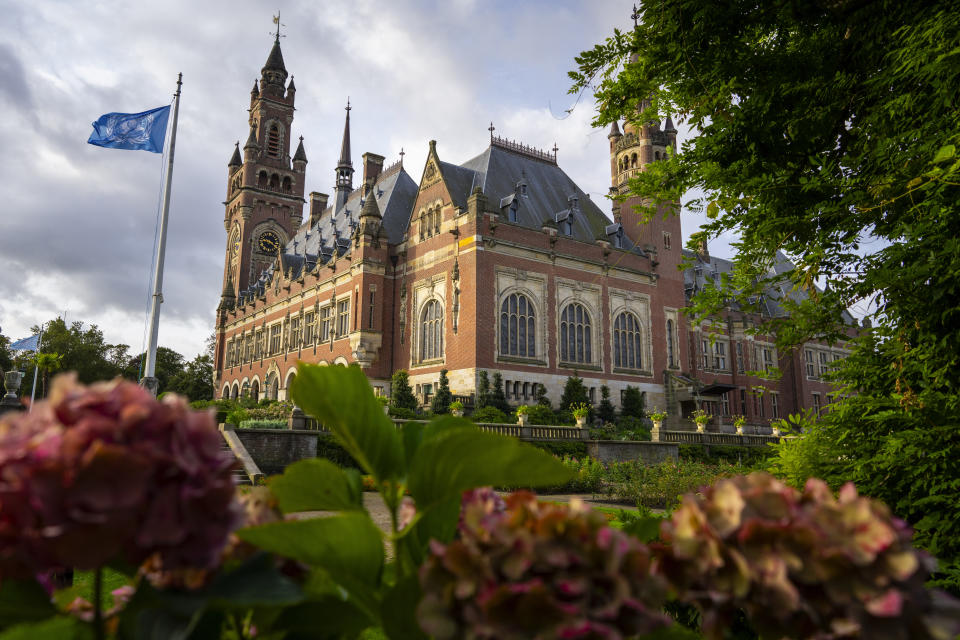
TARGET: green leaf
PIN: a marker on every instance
(342, 400)
(317, 485)
(59, 628)
(452, 460)
(23, 601)
(713, 209)
(327, 617)
(345, 545)
(946, 152)
(399, 612)
(257, 582)
(438, 523)
(412, 436)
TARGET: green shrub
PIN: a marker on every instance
(541, 414)
(746, 457)
(403, 413)
(263, 424)
(490, 414)
(561, 448)
(589, 476)
(237, 416)
(660, 486)
(329, 448)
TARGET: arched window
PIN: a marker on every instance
(671, 360)
(633, 161)
(274, 182)
(436, 220)
(518, 327)
(626, 342)
(431, 331)
(287, 183)
(273, 141)
(575, 334)
(255, 390)
(262, 179)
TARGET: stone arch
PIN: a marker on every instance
(578, 331)
(235, 391)
(429, 330)
(225, 392)
(245, 387)
(340, 362)
(287, 379)
(255, 388)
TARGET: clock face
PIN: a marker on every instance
(235, 247)
(269, 242)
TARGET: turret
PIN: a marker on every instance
(300, 157)
(235, 160)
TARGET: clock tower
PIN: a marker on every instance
(264, 205)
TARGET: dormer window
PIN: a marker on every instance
(568, 226)
(618, 239)
(512, 212)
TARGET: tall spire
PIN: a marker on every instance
(344, 170)
(345, 146)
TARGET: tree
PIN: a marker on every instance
(442, 398)
(483, 390)
(401, 395)
(606, 410)
(823, 131)
(6, 359)
(83, 350)
(498, 398)
(540, 395)
(632, 404)
(168, 366)
(47, 362)
(195, 380)
(574, 392)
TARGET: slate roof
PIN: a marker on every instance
(697, 277)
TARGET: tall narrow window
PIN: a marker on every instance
(743, 402)
(248, 350)
(325, 323)
(725, 404)
(811, 364)
(370, 320)
(775, 405)
(704, 354)
(294, 338)
(261, 344)
(575, 336)
(273, 141)
(671, 356)
(739, 357)
(568, 226)
(517, 327)
(512, 212)
(275, 339)
(309, 328)
(767, 359)
(431, 331)
(720, 355)
(627, 342)
(824, 363)
(816, 403)
(343, 318)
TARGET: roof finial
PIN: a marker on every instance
(491, 129)
(555, 149)
(635, 15)
(276, 21)
(402, 153)
(348, 107)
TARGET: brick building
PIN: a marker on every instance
(500, 263)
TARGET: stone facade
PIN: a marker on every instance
(500, 264)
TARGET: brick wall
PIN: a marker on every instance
(607, 451)
(274, 449)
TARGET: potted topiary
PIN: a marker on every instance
(385, 403)
(456, 408)
(580, 412)
(701, 418)
(738, 422)
(775, 426)
(656, 417)
(523, 414)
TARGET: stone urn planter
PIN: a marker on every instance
(655, 432)
(739, 429)
(776, 431)
(522, 419)
(582, 422)
(457, 413)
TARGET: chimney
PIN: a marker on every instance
(372, 166)
(318, 203)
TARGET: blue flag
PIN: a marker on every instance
(27, 344)
(144, 131)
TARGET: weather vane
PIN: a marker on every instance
(491, 129)
(635, 15)
(402, 153)
(276, 21)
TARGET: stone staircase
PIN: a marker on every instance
(239, 475)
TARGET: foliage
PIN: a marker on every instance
(660, 486)
(630, 428)
(195, 379)
(523, 410)
(563, 449)
(401, 395)
(632, 404)
(859, 576)
(540, 395)
(440, 403)
(542, 414)
(255, 423)
(574, 393)
(497, 397)
(605, 410)
(489, 414)
(238, 416)
(701, 417)
(747, 458)
(580, 411)
(456, 405)
(329, 449)
(475, 585)
(169, 365)
(483, 390)
(801, 149)
(403, 413)
(657, 415)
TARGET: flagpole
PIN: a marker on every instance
(36, 367)
(149, 380)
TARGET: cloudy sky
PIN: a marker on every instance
(77, 232)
